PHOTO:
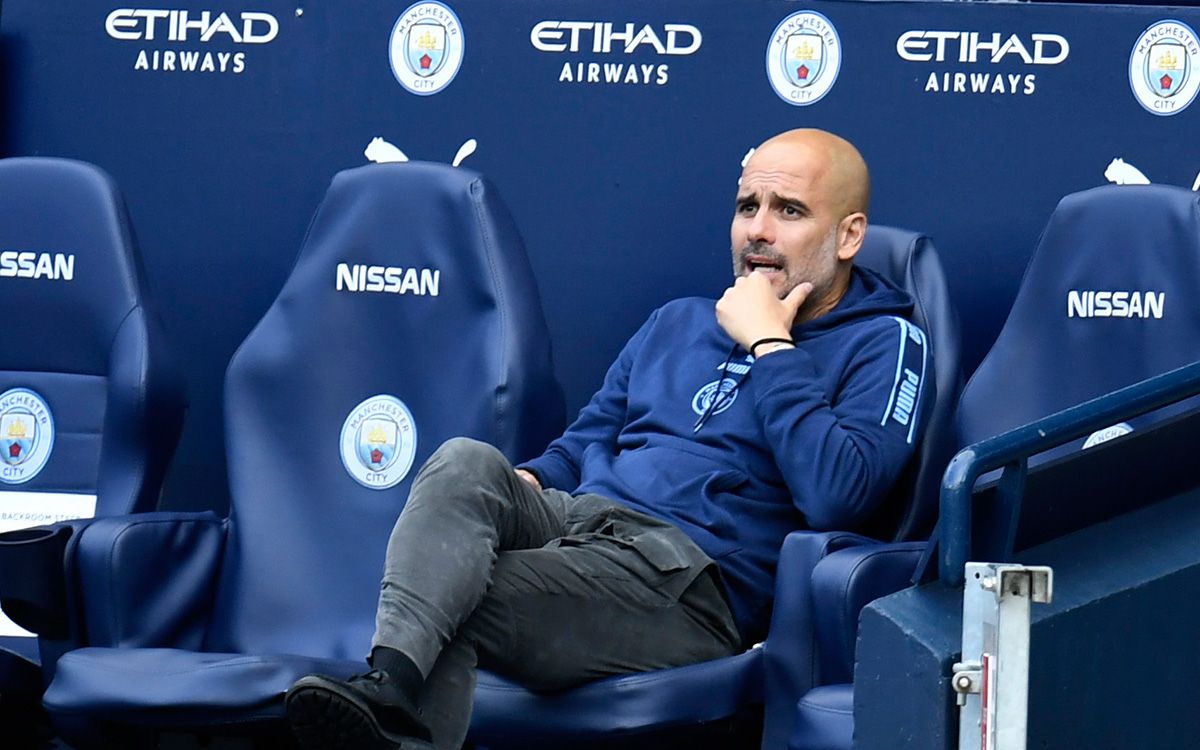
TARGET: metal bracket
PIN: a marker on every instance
(1033, 581)
(991, 683)
(966, 680)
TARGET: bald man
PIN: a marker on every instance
(647, 536)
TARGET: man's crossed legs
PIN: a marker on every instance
(548, 589)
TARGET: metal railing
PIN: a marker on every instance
(1010, 451)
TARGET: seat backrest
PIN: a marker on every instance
(90, 403)
(910, 260)
(1108, 299)
(411, 316)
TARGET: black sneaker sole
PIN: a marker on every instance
(324, 716)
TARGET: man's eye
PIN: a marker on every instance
(791, 211)
(747, 208)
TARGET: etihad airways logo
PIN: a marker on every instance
(178, 26)
(607, 38)
(977, 48)
(172, 27)
(604, 37)
(972, 46)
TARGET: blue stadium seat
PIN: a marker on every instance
(1107, 300)
(410, 317)
(783, 668)
(1076, 331)
(91, 405)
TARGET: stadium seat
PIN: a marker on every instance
(1106, 302)
(777, 672)
(410, 317)
(91, 405)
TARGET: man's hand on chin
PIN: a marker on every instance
(750, 311)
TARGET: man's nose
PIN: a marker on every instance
(762, 228)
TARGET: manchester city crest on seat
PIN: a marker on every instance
(379, 442)
(376, 442)
(26, 435)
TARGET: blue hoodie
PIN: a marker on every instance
(811, 438)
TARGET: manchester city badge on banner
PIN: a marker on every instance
(804, 56)
(1162, 65)
(426, 48)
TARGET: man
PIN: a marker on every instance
(647, 535)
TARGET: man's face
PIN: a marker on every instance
(784, 222)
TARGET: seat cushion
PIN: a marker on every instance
(508, 715)
(824, 719)
(181, 688)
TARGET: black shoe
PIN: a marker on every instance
(365, 712)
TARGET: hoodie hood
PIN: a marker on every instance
(868, 294)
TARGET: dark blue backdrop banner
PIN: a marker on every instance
(614, 130)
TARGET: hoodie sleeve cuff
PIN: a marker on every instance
(551, 472)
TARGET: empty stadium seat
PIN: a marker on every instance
(91, 405)
(410, 317)
(783, 668)
(1106, 302)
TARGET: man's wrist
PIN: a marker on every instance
(764, 346)
(766, 349)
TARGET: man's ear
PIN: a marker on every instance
(850, 233)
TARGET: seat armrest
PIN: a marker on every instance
(32, 584)
(147, 580)
(789, 652)
(844, 582)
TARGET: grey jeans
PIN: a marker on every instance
(545, 588)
